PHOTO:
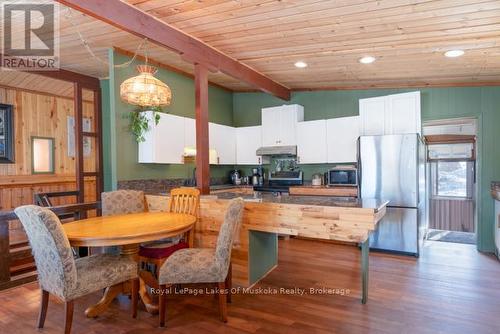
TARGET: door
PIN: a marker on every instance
(372, 115)
(403, 114)
(389, 168)
(311, 142)
(248, 140)
(397, 231)
(342, 136)
(271, 124)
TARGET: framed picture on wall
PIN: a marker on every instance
(6, 134)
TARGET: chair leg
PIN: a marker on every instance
(222, 302)
(69, 306)
(229, 282)
(44, 304)
(162, 304)
(135, 296)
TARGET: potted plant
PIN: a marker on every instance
(139, 123)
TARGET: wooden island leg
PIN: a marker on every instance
(365, 249)
(112, 292)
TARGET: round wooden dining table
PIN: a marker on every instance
(127, 231)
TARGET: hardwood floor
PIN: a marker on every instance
(450, 289)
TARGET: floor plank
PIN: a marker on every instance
(451, 289)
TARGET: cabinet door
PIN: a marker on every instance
(403, 113)
(311, 142)
(169, 139)
(271, 126)
(372, 113)
(248, 140)
(222, 138)
(342, 138)
(189, 132)
(290, 115)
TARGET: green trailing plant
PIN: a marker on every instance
(139, 123)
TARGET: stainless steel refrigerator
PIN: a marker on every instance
(392, 167)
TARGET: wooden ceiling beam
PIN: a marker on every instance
(133, 20)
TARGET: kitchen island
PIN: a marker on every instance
(266, 216)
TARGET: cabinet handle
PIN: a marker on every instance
(218, 160)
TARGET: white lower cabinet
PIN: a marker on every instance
(342, 138)
(311, 142)
(248, 140)
(164, 142)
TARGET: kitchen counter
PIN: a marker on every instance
(310, 190)
(495, 190)
(266, 216)
(345, 202)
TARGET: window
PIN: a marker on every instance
(42, 155)
(453, 179)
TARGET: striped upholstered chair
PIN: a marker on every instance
(60, 274)
(205, 265)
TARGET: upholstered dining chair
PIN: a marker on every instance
(204, 265)
(182, 200)
(60, 274)
(120, 202)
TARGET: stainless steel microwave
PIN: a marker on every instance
(340, 176)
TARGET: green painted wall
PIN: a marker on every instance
(437, 103)
(121, 163)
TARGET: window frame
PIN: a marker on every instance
(470, 179)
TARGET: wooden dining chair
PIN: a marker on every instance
(60, 274)
(204, 265)
(182, 200)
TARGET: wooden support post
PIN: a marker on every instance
(78, 112)
(202, 144)
(99, 157)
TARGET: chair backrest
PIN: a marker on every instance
(121, 202)
(228, 231)
(184, 200)
(51, 249)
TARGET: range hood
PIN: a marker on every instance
(277, 150)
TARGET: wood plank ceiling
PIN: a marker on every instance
(408, 38)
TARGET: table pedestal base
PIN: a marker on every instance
(114, 291)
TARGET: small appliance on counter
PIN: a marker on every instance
(342, 176)
(235, 177)
(317, 179)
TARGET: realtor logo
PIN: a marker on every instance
(30, 35)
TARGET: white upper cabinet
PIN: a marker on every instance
(248, 140)
(312, 142)
(391, 114)
(164, 142)
(189, 132)
(342, 138)
(279, 124)
(372, 115)
(222, 138)
(403, 114)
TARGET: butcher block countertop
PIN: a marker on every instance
(309, 190)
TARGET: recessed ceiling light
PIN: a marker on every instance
(454, 53)
(300, 64)
(367, 60)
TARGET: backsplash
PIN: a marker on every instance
(157, 186)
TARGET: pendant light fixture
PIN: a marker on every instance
(144, 89)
